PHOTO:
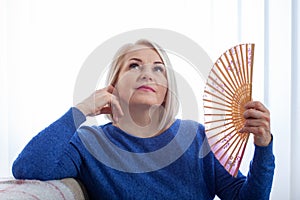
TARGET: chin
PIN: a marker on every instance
(144, 103)
(145, 100)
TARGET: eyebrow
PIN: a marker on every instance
(139, 60)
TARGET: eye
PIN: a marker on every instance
(158, 68)
(134, 66)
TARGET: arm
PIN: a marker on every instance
(258, 183)
(50, 155)
(260, 175)
(47, 155)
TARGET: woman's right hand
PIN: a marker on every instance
(102, 101)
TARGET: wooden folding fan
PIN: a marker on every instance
(227, 90)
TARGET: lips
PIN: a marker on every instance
(146, 88)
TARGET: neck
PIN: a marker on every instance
(141, 121)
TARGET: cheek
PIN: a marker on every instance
(163, 93)
(163, 85)
(124, 86)
(161, 79)
(163, 88)
(124, 93)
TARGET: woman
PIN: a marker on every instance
(141, 102)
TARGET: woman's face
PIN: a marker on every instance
(142, 78)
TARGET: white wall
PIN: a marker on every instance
(44, 44)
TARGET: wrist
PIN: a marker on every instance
(82, 108)
(263, 141)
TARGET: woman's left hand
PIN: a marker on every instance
(257, 121)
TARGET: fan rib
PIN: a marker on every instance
(241, 146)
(243, 152)
(227, 143)
(238, 145)
(220, 86)
(224, 131)
(222, 138)
(243, 64)
(231, 82)
(219, 103)
(216, 90)
(229, 147)
(215, 108)
(236, 69)
(210, 93)
(217, 114)
(231, 70)
(219, 120)
(225, 85)
(247, 64)
(251, 68)
(224, 75)
(220, 126)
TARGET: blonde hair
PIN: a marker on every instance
(171, 104)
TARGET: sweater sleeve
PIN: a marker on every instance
(50, 155)
(257, 184)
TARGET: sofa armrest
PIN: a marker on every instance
(63, 189)
(76, 187)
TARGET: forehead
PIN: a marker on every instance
(145, 53)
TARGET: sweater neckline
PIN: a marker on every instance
(118, 130)
(125, 140)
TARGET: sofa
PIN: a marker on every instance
(64, 189)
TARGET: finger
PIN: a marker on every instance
(110, 89)
(257, 106)
(258, 131)
(262, 137)
(102, 99)
(257, 118)
(116, 106)
(256, 123)
(253, 114)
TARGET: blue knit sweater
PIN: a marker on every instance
(64, 150)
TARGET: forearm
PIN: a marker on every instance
(47, 151)
(260, 176)
(257, 184)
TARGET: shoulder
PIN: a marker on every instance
(90, 133)
(190, 128)
(94, 130)
(191, 124)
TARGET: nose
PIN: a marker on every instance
(146, 74)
